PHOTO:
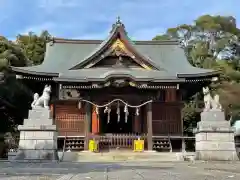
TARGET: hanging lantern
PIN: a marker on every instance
(137, 111)
(126, 113)
(118, 112)
(79, 105)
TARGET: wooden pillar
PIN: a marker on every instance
(87, 125)
(171, 95)
(55, 101)
(149, 127)
(137, 124)
(95, 121)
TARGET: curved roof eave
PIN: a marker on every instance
(98, 50)
(66, 79)
(24, 70)
(204, 74)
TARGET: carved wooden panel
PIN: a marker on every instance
(111, 61)
(69, 119)
(68, 94)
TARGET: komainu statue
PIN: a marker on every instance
(209, 102)
(42, 101)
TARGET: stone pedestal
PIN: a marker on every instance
(215, 138)
(38, 137)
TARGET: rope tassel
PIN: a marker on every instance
(118, 113)
(137, 111)
(79, 105)
(97, 110)
(126, 113)
(106, 109)
(125, 108)
(109, 111)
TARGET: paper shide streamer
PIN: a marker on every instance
(108, 109)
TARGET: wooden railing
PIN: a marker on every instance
(117, 141)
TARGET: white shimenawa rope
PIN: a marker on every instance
(106, 105)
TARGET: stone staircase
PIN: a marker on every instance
(121, 156)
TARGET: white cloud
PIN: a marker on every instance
(93, 19)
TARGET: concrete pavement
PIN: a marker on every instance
(121, 171)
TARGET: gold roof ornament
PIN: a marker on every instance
(118, 44)
(132, 84)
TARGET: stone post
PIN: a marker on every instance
(38, 137)
(215, 137)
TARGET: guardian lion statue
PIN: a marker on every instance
(209, 102)
(42, 101)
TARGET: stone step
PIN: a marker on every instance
(38, 135)
(35, 155)
(211, 116)
(37, 121)
(125, 156)
(39, 114)
(37, 128)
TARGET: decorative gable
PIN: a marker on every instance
(117, 61)
(118, 44)
(116, 51)
(116, 56)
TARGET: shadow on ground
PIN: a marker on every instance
(74, 168)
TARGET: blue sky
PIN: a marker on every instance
(92, 19)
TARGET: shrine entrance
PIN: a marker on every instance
(116, 121)
(120, 123)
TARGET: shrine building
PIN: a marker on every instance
(116, 90)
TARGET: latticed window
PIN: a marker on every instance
(70, 119)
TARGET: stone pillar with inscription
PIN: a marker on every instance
(214, 135)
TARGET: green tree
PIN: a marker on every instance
(211, 42)
(11, 54)
(34, 46)
(14, 97)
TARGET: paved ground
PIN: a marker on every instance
(121, 171)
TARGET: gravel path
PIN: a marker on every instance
(121, 171)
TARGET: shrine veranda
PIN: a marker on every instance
(116, 90)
